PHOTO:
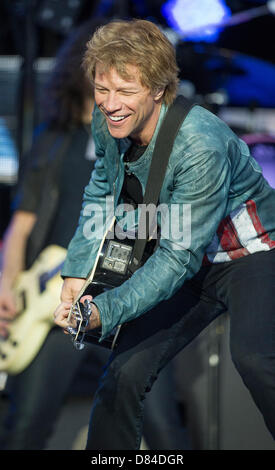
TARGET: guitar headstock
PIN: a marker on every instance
(78, 320)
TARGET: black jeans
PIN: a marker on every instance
(245, 289)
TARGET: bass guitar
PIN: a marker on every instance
(37, 292)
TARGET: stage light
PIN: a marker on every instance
(196, 20)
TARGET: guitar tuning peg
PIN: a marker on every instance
(71, 330)
(87, 307)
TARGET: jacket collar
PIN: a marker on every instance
(124, 144)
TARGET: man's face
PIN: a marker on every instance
(130, 109)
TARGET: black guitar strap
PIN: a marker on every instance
(170, 126)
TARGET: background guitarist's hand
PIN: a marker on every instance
(13, 257)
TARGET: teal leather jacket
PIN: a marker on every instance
(230, 206)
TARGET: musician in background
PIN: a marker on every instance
(46, 209)
(46, 212)
(226, 264)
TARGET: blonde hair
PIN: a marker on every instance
(139, 43)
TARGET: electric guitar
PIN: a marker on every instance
(111, 269)
(37, 292)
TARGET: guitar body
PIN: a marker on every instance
(37, 294)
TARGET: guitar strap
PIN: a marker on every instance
(170, 126)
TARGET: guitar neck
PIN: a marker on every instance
(92, 272)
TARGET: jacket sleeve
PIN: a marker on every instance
(200, 193)
(93, 219)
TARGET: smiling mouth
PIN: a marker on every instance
(117, 118)
(114, 118)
